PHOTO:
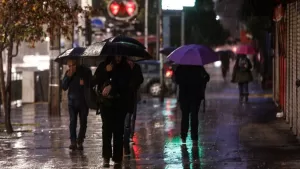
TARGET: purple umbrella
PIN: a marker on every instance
(193, 55)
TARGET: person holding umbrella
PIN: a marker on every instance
(192, 78)
(77, 81)
(242, 73)
(113, 79)
(136, 80)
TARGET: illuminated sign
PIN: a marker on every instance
(172, 5)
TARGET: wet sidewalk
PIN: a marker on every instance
(232, 136)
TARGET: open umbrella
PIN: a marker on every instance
(193, 55)
(100, 50)
(245, 49)
(123, 38)
(73, 53)
(167, 50)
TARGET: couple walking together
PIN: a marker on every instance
(117, 80)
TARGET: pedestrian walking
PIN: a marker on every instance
(225, 60)
(192, 82)
(136, 80)
(242, 75)
(113, 77)
(77, 81)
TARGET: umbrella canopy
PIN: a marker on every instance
(100, 50)
(167, 50)
(193, 55)
(245, 49)
(123, 38)
(73, 53)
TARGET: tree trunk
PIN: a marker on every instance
(8, 126)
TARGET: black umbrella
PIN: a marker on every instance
(167, 50)
(73, 53)
(123, 38)
(98, 52)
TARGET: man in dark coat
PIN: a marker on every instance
(136, 80)
(77, 81)
(192, 83)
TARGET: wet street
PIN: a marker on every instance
(231, 136)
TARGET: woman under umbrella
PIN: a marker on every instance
(113, 78)
(192, 78)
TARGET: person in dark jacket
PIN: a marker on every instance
(113, 80)
(77, 80)
(192, 82)
(225, 60)
(242, 75)
(136, 80)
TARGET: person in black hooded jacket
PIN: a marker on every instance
(192, 82)
(113, 79)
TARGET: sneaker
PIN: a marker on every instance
(106, 163)
(73, 146)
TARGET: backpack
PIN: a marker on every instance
(243, 64)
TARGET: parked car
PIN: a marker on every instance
(151, 73)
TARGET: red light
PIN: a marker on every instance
(169, 73)
(130, 8)
(114, 8)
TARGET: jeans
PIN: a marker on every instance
(78, 107)
(244, 89)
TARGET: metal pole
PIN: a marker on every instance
(146, 24)
(158, 30)
(159, 45)
(182, 28)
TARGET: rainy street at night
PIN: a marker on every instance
(231, 136)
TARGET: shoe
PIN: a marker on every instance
(241, 99)
(118, 164)
(73, 146)
(127, 151)
(195, 143)
(106, 163)
(246, 99)
(183, 140)
(79, 145)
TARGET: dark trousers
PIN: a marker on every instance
(113, 128)
(129, 129)
(224, 71)
(244, 89)
(78, 107)
(130, 123)
(189, 111)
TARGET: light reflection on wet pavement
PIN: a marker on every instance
(231, 136)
